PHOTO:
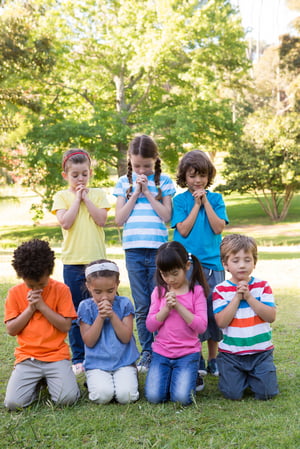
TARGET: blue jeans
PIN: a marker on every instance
(173, 379)
(74, 278)
(141, 267)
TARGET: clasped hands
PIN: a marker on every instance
(105, 309)
(171, 300)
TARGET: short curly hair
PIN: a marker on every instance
(33, 260)
(198, 161)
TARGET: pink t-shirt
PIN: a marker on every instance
(175, 338)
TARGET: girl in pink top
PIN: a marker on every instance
(178, 313)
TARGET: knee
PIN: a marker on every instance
(127, 396)
(232, 394)
(181, 398)
(68, 398)
(101, 396)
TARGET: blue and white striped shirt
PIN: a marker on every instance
(144, 228)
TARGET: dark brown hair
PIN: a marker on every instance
(33, 260)
(198, 161)
(146, 147)
(173, 255)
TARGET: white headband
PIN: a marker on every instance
(110, 266)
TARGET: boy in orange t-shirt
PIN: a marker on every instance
(39, 312)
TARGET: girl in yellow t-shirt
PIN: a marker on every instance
(82, 213)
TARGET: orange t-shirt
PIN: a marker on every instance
(40, 339)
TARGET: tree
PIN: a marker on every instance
(267, 163)
(166, 68)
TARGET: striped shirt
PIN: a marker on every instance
(247, 333)
(144, 228)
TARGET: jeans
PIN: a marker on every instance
(173, 379)
(141, 267)
(74, 278)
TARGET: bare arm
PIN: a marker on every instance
(124, 208)
(91, 333)
(185, 226)
(224, 318)
(36, 302)
(265, 312)
(99, 215)
(16, 325)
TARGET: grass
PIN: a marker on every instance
(211, 422)
(243, 211)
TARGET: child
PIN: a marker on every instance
(39, 312)
(244, 306)
(143, 205)
(199, 217)
(178, 313)
(106, 325)
(82, 213)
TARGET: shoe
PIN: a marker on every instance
(212, 367)
(199, 383)
(202, 370)
(144, 362)
(78, 369)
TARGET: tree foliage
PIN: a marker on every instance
(267, 162)
(168, 68)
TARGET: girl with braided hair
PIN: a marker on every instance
(144, 205)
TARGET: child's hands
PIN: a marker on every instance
(171, 300)
(105, 309)
(35, 299)
(142, 183)
(200, 196)
(243, 289)
(81, 191)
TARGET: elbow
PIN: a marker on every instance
(119, 222)
(65, 226)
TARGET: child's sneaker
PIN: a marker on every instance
(202, 370)
(78, 369)
(199, 383)
(212, 367)
(144, 362)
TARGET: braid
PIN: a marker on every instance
(157, 172)
(129, 176)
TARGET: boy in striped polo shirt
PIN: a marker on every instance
(244, 307)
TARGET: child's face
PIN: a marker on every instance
(142, 165)
(37, 285)
(240, 265)
(103, 288)
(175, 278)
(77, 174)
(195, 181)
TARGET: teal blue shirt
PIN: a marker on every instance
(201, 241)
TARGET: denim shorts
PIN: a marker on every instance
(213, 332)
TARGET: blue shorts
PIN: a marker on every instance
(256, 371)
(213, 332)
